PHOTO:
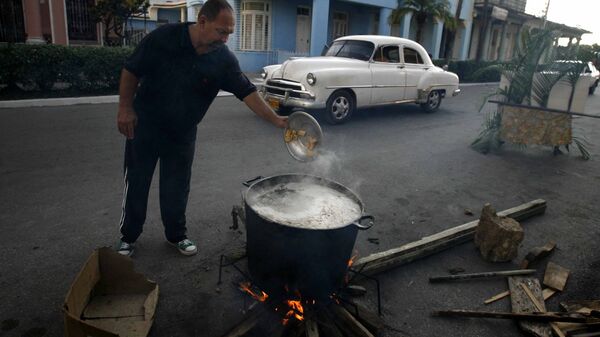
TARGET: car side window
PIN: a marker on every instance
(388, 54)
(412, 56)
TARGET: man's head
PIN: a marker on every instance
(216, 23)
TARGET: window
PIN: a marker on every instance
(255, 25)
(360, 50)
(412, 56)
(389, 54)
(340, 24)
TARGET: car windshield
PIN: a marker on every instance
(360, 50)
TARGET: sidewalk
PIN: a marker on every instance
(64, 101)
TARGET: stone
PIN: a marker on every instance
(498, 237)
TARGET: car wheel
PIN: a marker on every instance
(433, 101)
(592, 89)
(340, 107)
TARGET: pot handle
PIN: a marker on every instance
(247, 183)
(358, 223)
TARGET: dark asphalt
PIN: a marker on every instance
(61, 185)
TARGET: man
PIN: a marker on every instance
(166, 87)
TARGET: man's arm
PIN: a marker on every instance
(126, 117)
(260, 107)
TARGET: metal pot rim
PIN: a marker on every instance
(330, 183)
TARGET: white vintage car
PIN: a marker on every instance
(356, 72)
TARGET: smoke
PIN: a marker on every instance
(327, 164)
(330, 164)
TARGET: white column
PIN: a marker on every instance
(384, 26)
(464, 48)
(438, 30)
(502, 48)
(405, 28)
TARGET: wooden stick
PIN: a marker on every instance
(497, 297)
(543, 109)
(250, 320)
(546, 293)
(541, 308)
(311, 328)
(532, 316)
(348, 323)
(386, 260)
(482, 275)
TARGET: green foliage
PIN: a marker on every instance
(113, 14)
(423, 11)
(472, 71)
(529, 81)
(489, 138)
(39, 67)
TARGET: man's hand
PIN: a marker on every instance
(281, 122)
(126, 121)
(261, 108)
(126, 117)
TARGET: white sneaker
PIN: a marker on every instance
(125, 248)
(186, 247)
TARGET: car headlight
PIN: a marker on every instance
(263, 74)
(311, 79)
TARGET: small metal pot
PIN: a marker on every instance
(284, 259)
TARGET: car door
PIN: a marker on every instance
(387, 75)
(415, 69)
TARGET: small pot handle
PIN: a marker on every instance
(249, 182)
(358, 223)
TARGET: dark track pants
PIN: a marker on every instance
(141, 155)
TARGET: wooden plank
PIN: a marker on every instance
(368, 318)
(347, 323)
(578, 305)
(541, 308)
(327, 326)
(383, 261)
(250, 320)
(521, 303)
(546, 294)
(556, 276)
(490, 274)
(544, 109)
(311, 328)
(497, 297)
(530, 316)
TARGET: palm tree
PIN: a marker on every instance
(423, 10)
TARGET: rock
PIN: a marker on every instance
(497, 237)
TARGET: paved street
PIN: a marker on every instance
(61, 185)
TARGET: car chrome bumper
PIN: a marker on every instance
(456, 92)
(305, 101)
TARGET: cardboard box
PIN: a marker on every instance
(109, 299)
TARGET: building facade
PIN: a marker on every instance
(271, 31)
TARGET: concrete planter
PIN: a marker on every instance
(536, 125)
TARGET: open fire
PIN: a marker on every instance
(297, 314)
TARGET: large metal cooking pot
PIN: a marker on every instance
(301, 231)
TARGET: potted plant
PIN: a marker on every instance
(536, 99)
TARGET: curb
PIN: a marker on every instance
(47, 102)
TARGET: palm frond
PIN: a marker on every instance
(582, 146)
(543, 84)
(489, 138)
